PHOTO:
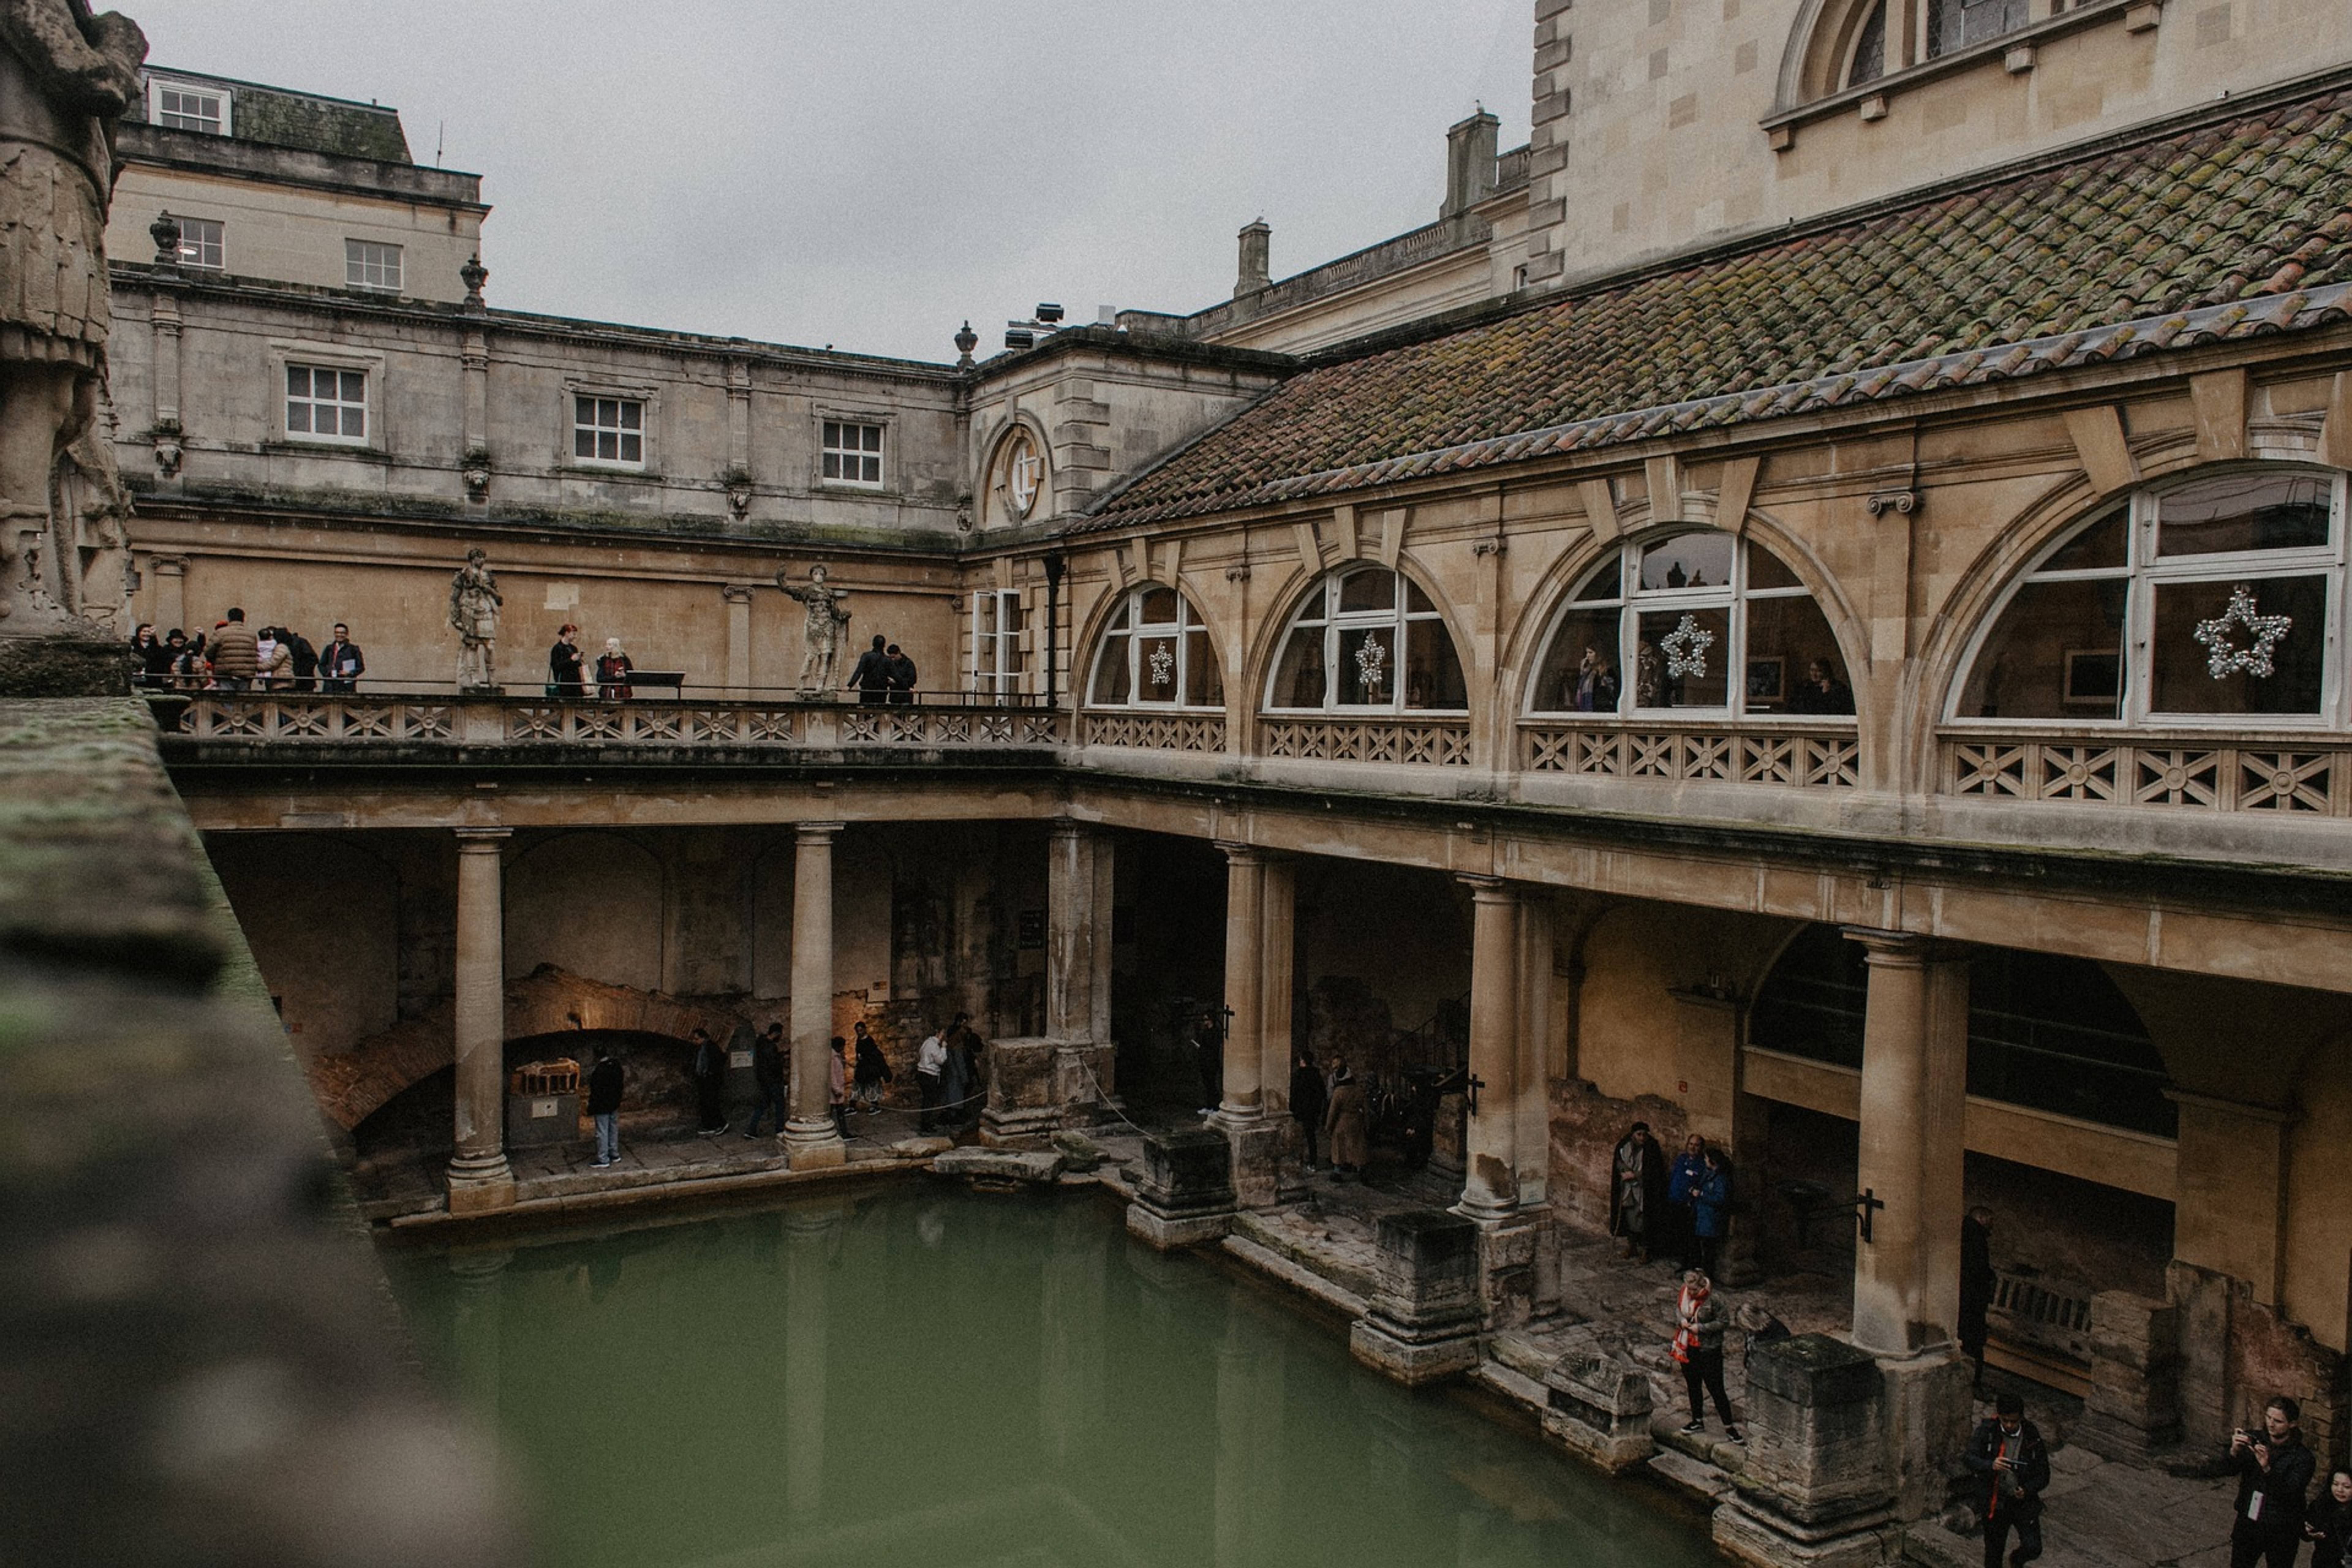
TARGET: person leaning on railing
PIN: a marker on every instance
(340, 663)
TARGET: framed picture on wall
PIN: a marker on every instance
(1767, 680)
(2094, 678)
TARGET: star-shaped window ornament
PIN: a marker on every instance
(1685, 648)
(1371, 661)
(1163, 666)
(2222, 659)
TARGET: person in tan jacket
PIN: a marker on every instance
(1347, 1120)
(236, 653)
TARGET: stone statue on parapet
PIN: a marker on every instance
(826, 618)
(474, 603)
(65, 77)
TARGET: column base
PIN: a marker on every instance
(1173, 1233)
(1258, 1145)
(1518, 1262)
(1760, 1539)
(1929, 1410)
(814, 1145)
(480, 1182)
(1411, 1362)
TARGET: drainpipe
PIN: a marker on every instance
(1055, 566)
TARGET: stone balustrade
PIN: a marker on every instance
(2291, 773)
(1443, 742)
(1155, 731)
(1815, 756)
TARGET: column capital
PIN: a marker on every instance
(817, 831)
(1487, 889)
(1071, 828)
(736, 592)
(1902, 949)
(482, 840)
(1241, 854)
(169, 566)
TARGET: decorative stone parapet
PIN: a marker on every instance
(1037, 1086)
(1426, 1311)
(2134, 1407)
(1599, 1409)
(2291, 774)
(1815, 1487)
(1827, 757)
(1186, 1195)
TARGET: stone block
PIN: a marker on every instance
(1449, 1137)
(64, 667)
(986, 1167)
(1038, 1085)
(1518, 1267)
(1816, 1437)
(481, 1194)
(1185, 1195)
(1929, 1414)
(1426, 1309)
(1599, 1410)
(2134, 1407)
(537, 1121)
(1258, 1149)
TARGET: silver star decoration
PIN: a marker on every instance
(1685, 648)
(1372, 659)
(1163, 666)
(2221, 660)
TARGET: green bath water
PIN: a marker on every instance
(913, 1375)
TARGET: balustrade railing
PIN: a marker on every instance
(1814, 756)
(1443, 742)
(1155, 731)
(2287, 775)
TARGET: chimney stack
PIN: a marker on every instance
(1257, 241)
(1470, 149)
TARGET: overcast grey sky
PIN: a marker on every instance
(869, 174)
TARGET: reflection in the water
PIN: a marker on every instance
(909, 1376)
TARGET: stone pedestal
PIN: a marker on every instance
(2134, 1408)
(1815, 1488)
(1038, 1085)
(1599, 1410)
(1518, 1269)
(1426, 1311)
(1259, 1145)
(1929, 1412)
(1186, 1195)
(539, 1121)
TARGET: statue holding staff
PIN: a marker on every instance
(474, 603)
(822, 631)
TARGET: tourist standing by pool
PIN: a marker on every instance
(605, 1106)
(710, 1082)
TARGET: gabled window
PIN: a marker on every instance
(187, 106)
(1367, 640)
(369, 265)
(1155, 653)
(609, 430)
(2216, 601)
(852, 454)
(1693, 621)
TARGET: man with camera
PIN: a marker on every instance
(2273, 1473)
(2008, 1459)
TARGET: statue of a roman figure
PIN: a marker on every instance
(474, 602)
(825, 620)
(65, 77)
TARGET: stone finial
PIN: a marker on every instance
(474, 275)
(966, 340)
(166, 232)
(1257, 248)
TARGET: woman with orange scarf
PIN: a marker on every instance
(1698, 1345)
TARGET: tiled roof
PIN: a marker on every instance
(2223, 230)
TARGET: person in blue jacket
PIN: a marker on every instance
(1682, 1178)
(1710, 1207)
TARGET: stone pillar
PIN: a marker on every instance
(1278, 920)
(1915, 1057)
(171, 572)
(478, 1174)
(811, 1139)
(1072, 928)
(1490, 1189)
(1244, 1096)
(1422, 1321)
(1814, 1489)
(739, 638)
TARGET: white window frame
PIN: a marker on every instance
(997, 665)
(192, 248)
(2143, 571)
(358, 259)
(315, 368)
(1323, 605)
(1631, 601)
(596, 431)
(828, 446)
(1124, 635)
(157, 86)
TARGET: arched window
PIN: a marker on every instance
(2044, 1031)
(2217, 601)
(1695, 621)
(1368, 640)
(1155, 653)
(1951, 26)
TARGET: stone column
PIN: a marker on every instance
(1244, 1096)
(1070, 932)
(811, 1139)
(739, 638)
(1914, 1059)
(808, 1238)
(170, 592)
(1490, 1189)
(1277, 916)
(478, 1174)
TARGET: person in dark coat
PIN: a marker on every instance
(1637, 1192)
(872, 675)
(1976, 1286)
(1309, 1099)
(955, 1083)
(2274, 1471)
(872, 1071)
(340, 663)
(710, 1082)
(1347, 1118)
(768, 1078)
(2012, 1466)
(565, 676)
(968, 1047)
(1711, 1208)
(305, 658)
(1761, 1326)
(902, 675)
(605, 1106)
(1683, 1177)
(2327, 1524)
